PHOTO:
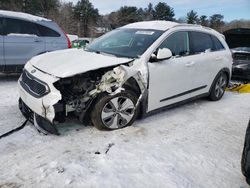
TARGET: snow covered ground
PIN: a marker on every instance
(195, 145)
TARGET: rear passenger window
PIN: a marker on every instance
(217, 44)
(200, 42)
(178, 43)
(47, 32)
(15, 26)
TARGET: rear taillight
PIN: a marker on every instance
(68, 41)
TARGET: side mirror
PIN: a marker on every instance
(163, 54)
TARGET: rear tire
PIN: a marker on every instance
(115, 111)
(219, 87)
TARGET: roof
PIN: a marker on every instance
(22, 15)
(157, 25)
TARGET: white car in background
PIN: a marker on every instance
(129, 72)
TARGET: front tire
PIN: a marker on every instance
(219, 87)
(115, 111)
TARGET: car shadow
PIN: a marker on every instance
(71, 124)
(9, 77)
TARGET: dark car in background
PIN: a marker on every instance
(238, 40)
(241, 64)
(23, 36)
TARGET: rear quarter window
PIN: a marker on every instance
(200, 42)
(47, 32)
(217, 44)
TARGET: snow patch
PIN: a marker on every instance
(158, 25)
(21, 35)
(22, 15)
(195, 145)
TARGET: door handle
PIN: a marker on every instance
(190, 64)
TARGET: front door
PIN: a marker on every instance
(171, 80)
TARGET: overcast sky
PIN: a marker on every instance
(231, 9)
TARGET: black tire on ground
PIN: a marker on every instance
(219, 86)
(107, 104)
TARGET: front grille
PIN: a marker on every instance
(33, 86)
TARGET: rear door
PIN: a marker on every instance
(2, 63)
(201, 51)
(21, 42)
(208, 57)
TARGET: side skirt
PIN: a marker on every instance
(146, 114)
(184, 93)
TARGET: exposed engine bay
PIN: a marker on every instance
(75, 91)
(78, 92)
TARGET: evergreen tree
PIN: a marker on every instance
(65, 18)
(141, 14)
(11, 5)
(149, 12)
(216, 21)
(162, 11)
(204, 21)
(40, 7)
(87, 16)
(127, 15)
(192, 17)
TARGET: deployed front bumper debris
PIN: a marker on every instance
(41, 124)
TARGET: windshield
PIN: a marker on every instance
(125, 42)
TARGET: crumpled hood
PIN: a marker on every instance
(66, 63)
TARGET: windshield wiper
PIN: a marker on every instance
(104, 53)
(110, 54)
(100, 52)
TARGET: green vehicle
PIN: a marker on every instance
(78, 43)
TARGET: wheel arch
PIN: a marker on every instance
(228, 73)
(132, 84)
(223, 70)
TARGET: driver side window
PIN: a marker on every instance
(178, 43)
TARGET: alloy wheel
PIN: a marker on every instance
(118, 112)
(220, 86)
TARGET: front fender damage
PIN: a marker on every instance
(111, 82)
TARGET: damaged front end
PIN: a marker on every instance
(76, 94)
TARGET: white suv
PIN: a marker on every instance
(131, 71)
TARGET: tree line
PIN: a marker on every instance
(84, 19)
